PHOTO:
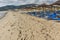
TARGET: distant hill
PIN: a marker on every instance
(12, 7)
(56, 3)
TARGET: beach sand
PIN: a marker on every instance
(18, 26)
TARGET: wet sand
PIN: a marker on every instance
(18, 26)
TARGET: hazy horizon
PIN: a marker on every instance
(22, 2)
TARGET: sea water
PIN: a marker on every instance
(2, 14)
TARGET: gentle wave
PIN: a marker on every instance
(2, 14)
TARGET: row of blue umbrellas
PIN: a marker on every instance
(49, 14)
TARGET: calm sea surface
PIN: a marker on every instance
(2, 14)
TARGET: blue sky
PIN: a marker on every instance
(22, 2)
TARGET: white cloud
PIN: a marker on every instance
(22, 2)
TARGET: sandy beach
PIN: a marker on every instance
(19, 26)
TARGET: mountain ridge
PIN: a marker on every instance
(12, 7)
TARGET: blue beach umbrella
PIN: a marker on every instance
(52, 16)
